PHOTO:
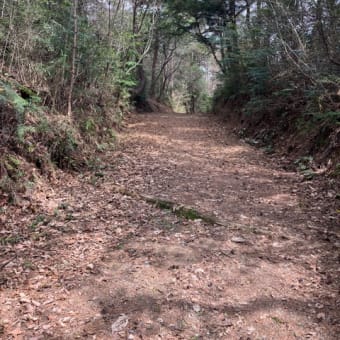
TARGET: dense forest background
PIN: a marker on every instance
(70, 70)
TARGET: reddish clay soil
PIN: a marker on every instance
(85, 260)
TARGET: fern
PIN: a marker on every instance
(23, 130)
(8, 96)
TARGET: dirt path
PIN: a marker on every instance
(96, 255)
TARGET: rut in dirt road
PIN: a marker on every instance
(137, 271)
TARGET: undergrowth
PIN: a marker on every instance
(31, 136)
(302, 120)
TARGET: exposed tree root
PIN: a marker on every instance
(179, 210)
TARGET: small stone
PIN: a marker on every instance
(227, 323)
(238, 239)
(120, 324)
(199, 271)
(36, 303)
(24, 298)
(196, 308)
(321, 317)
(251, 330)
(90, 266)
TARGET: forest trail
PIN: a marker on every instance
(108, 264)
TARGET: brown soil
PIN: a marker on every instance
(92, 262)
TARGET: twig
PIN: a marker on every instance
(7, 262)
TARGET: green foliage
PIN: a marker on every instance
(277, 320)
(90, 125)
(37, 220)
(23, 130)
(29, 95)
(248, 75)
(63, 148)
(189, 214)
(9, 96)
(257, 71)
(323, 122)
(12, 166)
(332, 117)
(336, 173)
(304, 163)
(205, 102)
(188, 91)
(257, 105)
(12, 240)
(15, 162)
(112, 134)
(45, 33)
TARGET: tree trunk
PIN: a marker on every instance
(154, 64)
(74, 56)
(108, 37)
